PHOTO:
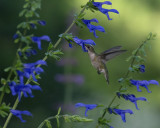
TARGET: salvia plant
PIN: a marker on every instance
(22, 80)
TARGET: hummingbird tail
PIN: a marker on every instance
(107, 78)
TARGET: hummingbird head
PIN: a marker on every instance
(89, 48)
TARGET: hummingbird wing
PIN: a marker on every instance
(109, 55)
(116, 48)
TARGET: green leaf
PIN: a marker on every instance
(120, 80)
(24, 25)
(54, 54)
(134, 51)
(131, 69)
(67, 36)
(78, 20)
(3, 113)
(26, 5)
(139, 59)
(100, 105)
(35, 5)
(26, 48)
(48, 124)
(22, 12)
(58, 52)
(5, 89)
(50, 46)
(29, 14)
(59, 110)
(129, 58)
(19, 64)
(76, 118)
(35, 82)
(4, 110)
(16, 40)
(123, 90)
(104, 122)
(3, 81)
(36, 14)
(142, 50)
(91, 7)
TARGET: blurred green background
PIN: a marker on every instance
(136, 19)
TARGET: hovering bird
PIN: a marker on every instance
(98, 61)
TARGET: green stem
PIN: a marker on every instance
(59, 40)
(126, 75)
(49, 118)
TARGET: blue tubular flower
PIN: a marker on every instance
(15, 36)
(30, 69)
(19, 53)
(16, 89)
(120, 112)
(38, 40)
(18, 114)
(93, 28)
(83, 42)
(143, 83)
(87, 106)
(12, 87)
(105, 11)
(131, 98)
(30, 52)
(32, 25)
(41, 22)
(99, 4)
(20, 74)
(142, 68)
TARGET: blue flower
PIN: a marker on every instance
(41, 22)
(105, 11)
(83, 42)
(99, 4)
(19, 53)
(93, 28)
(18, 114)
(131, 98)
(37, 40)
(32, 25)
(143, 83)
(120, 112)
(17, 89)
(15, 36)
(30, 52)
(30, 69)
(87, 106)
(142, 68)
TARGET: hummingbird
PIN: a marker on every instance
(99, 61)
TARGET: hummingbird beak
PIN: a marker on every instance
(87, 47)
